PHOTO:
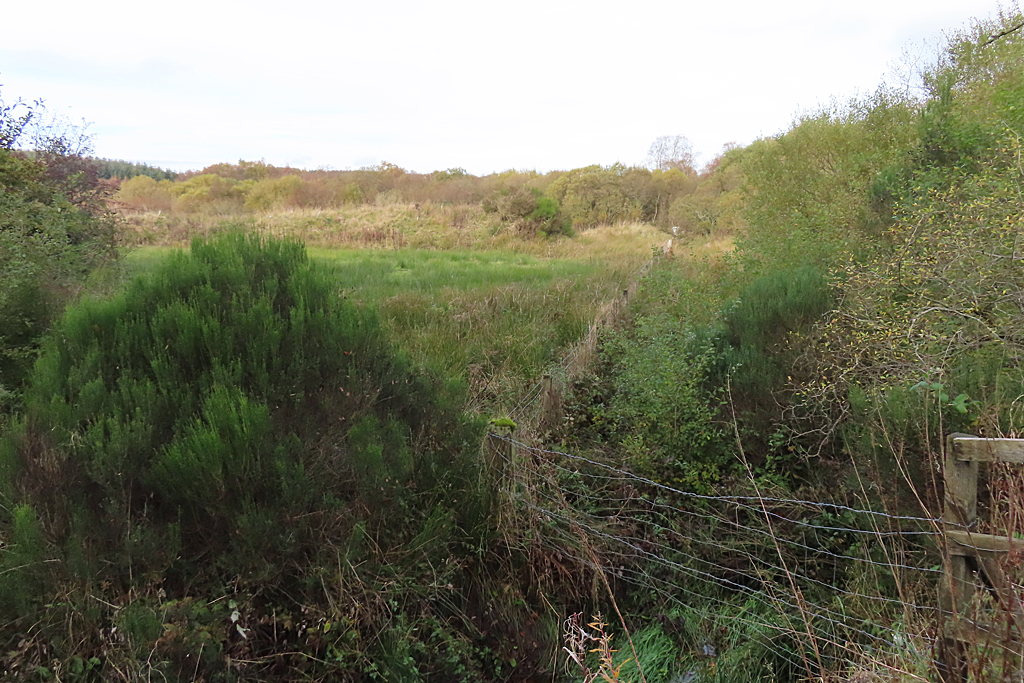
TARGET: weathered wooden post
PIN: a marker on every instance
(960, 510)
(970, 552)
(500, 451)
(547, 403)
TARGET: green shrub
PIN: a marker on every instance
(668, 377)
(273, 193)
(807, 190)
(217, 401)
(207, 193)
(147, 193)
(47, 246)
(21, 563)
(594, 195)
(659, 408)
(528, 210)
(760, 324)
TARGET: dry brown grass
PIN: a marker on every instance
(423, 226)
(389, 226)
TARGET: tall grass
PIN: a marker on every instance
(496, 319)
(432, 226)
(390, 226)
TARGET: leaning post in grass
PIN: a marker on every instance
(547, 401)
(500, 449)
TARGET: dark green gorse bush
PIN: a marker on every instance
(222, 407)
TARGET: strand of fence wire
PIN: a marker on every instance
(738, 500)
(895, 637)
(755, 560)
(635, 545)
(889, 565)
(734, 551)
(768, 564)
(837, 629)
(576, 350)
(704, 577)
(531, 396)
(596, 497)
(830, 617)
(835, 618)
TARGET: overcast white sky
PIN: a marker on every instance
(485, 86)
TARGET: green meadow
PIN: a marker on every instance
(493, 319)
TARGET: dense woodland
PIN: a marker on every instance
(236, 464)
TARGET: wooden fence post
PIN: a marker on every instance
(969, 552)
(547, 403)
(960, 510)
(499, 460)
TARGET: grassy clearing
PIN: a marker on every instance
(389, 273)
(493, 317)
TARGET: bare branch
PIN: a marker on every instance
(1003, 34)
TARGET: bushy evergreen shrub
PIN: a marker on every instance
(216, 407)
(21, 563)
(759, 325)
(762, 336)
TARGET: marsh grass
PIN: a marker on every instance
(496, 319)
(487, 317)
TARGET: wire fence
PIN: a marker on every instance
(816, 585)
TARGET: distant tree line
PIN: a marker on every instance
(672, 193)
(117, 168)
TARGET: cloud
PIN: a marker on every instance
(485, 86)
